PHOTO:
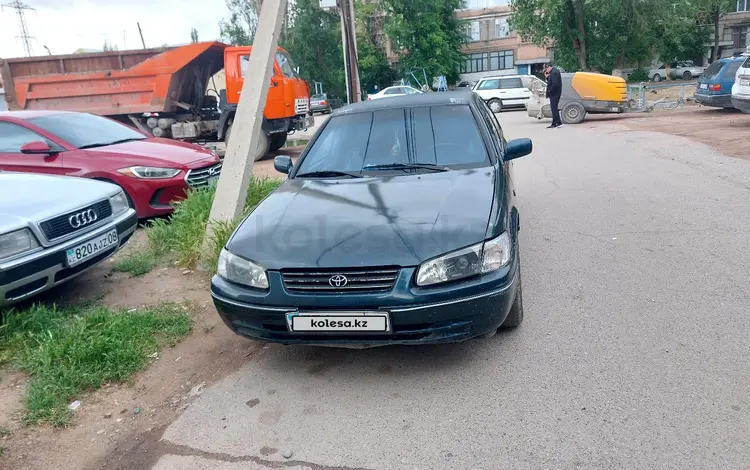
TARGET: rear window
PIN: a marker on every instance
(443, 135)
(318, 97)
(746, 65)
(713, 70)
(731, 70)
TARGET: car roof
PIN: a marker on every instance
(492, 77)
(32, 114)
(409, 101)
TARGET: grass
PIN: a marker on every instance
(182, 236)
(136, 264)
(67, 352)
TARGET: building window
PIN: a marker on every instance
(472, 30)
(739, 37)
(487, 62)
(502, 30)
(473, 4)
(743, 5)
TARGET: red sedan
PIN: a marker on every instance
(153, 172)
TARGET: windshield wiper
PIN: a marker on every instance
(324, 173)
(104, 144)
(407, 166)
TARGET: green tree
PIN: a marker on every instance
(710, 13)
(239, 29)
(193, 35)
(314, 41)
(374, 69)
(427, 34)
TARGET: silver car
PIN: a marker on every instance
(683, 70)
(53, 228)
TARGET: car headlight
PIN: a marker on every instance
(241, 271)
(17, 242)
(476, 259)
(149, 172)
(119, 203)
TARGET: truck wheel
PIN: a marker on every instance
(278, 141)
(263, 145)
(657, 78)
(573, 113)
(495, 105)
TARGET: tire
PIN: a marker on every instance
(687, 75)
(657, 78)
(573, 113)
(278, 141)
(263, 146)
(495, 105)
(515, 317)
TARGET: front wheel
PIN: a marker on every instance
(495, 105)
(573, 113)
(687, 75)
(657, 78)
(278, 141)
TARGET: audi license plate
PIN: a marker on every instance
(86, 250)
(343, 322)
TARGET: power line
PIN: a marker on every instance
(25, 37)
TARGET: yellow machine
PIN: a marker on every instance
(582, 93)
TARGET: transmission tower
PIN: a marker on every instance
(19, 6)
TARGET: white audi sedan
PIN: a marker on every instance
(53, 228)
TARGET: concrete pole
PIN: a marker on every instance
(342, 11)
(231, 191)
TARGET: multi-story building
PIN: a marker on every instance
(493, 48)
(734, 28)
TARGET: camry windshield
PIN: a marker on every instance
(86, 130)
(397, 139)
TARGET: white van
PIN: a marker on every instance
(506, 91)
(741, 87)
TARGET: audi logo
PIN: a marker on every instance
(338, 280)
(81, 219)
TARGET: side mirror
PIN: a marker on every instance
(518, 148)
(36, 148)
(283, 164)
(296, 70)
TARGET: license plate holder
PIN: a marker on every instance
(90, 248)
(357, 322)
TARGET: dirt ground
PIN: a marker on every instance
(724, 130)
(119, 420)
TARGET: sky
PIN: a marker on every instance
(66, 25)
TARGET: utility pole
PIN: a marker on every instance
(243, 145)
(19, 6)
(138, 23)
(349, 37)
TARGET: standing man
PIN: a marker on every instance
(554, 90)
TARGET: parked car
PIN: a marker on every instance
(683, 70)
(393, 227)
(466, 84)
(715, 85)
(741, 87)
(507, 91)
(320, 104)
(393, 91)
(153, 172)
(53, 228)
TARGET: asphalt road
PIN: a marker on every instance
(633, 354)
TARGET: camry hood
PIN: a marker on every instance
(165, 152)
(400, 221)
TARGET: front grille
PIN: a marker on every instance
(60, 226)
(360, 280)
(301, 106)
(200, 177)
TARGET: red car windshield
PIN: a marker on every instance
(86, 130)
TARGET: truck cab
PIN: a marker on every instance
(288, 103)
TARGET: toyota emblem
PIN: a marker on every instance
(81, 219)
(338, 280)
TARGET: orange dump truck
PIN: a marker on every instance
(167, 92)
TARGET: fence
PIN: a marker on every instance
(638, 93)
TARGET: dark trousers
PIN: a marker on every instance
(554, 102)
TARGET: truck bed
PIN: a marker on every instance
(115, 82)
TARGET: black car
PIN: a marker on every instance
(397, 225)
